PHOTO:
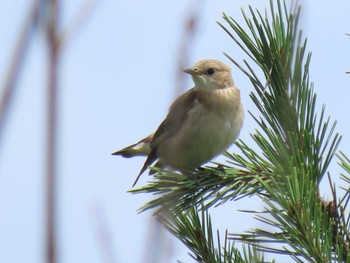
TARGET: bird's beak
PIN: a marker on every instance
(192, 72)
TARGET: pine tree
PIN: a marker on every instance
(294, 146)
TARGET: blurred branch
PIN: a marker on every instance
(191, 25)
(52, 27)
(75, 25)
(16, 64)
(348, 72)
(54, 43)
(103, 234)
(157, 247)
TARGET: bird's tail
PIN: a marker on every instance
(141, 148)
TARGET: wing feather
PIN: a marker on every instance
(171, 125)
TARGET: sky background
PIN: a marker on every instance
(117, 79)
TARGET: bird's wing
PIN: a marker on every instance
(178, 112)
(171, 125)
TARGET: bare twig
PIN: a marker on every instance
(16, 64)
(52, 25)
(104, 238)
(75, 25)
(191, 25)
(55, 41)
(158, 247)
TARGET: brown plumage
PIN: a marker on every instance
(200, 124)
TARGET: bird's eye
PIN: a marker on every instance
(211, 71)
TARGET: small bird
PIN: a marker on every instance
(201, 124)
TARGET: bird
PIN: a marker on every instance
(200, 125)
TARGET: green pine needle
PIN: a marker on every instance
(293, 147)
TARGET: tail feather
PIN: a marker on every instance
(127, 152)
(150, 159)
(141, 148)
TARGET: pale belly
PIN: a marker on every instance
(203, 137)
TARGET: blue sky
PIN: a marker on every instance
(117, 79)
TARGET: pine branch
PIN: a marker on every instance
(194, 229)
(295, 145)
(207, 187)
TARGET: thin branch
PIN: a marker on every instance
(78, 21)
(191, 25)
(16, 64)
(52, 26)
(102, 231)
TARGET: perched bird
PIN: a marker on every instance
(201, 124)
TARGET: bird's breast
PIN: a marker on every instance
(211, 126)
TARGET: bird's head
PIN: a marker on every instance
(210, 74)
